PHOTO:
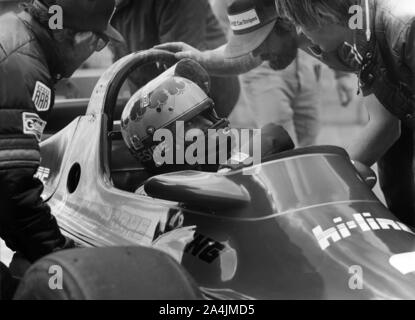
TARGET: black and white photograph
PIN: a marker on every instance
(206, 155)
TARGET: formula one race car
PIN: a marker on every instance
(302, 225)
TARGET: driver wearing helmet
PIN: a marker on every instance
(170, 125)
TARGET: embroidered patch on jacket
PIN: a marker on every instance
(42, 174)
(32, 124)
(42, 97)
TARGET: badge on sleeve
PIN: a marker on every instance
(42, 97)
(32, 124)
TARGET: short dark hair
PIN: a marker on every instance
(316, 13)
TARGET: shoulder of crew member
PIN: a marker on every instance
(23, 68)
(13, 41)
(192, 22)
(396, 22)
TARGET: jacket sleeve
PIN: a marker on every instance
(26, 98)
(22, 76)
(26, 222)
(26, 95)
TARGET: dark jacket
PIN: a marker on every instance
(24, 72)
(388, 68)
(26, 98)
(145, 24)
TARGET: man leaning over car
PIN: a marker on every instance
(383, 55)
(32, 59)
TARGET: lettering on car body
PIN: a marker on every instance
(205, 248)
(363, 221)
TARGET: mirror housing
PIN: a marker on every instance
(198, 189)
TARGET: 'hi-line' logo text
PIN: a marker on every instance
(363, 221)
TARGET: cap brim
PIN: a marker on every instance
(243, 44)
(113, 34)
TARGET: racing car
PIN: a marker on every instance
(303, 224)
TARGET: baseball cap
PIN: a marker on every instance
(88, 15)
(251, 23)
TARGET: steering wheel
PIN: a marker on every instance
(104, 97)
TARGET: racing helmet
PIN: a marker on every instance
(179, 95)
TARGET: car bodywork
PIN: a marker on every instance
(302, 225)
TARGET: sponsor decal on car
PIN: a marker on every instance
(187, 240)
(42, 97)
(363, 221)
(205, 248)
(33, 125)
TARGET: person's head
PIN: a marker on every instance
(258, 29)
(324, 22)
(280, 47)
(86, 29)
(175, 104)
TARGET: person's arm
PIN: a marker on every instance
(213, 61)
(381, 132)
(217, 64)
(346, 86)
(27, 224)
(183, 30)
